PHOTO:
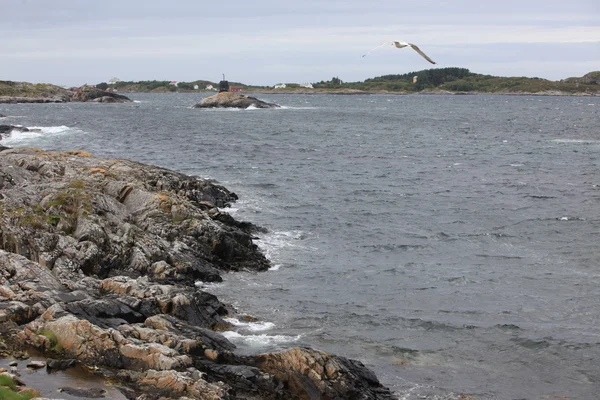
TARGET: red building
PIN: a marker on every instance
(234, 89)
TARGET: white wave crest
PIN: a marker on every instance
(36, 134)
(251, 326)
(576, 141)
(273, 242)
(262, 340)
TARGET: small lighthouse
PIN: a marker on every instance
(223, 85)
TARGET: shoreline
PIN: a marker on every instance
(99, 264)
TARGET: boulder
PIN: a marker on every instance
(312, 374)
(233, 100)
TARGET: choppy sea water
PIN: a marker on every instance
(451, 243)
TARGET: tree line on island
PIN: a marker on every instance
(436, 80)
(451, 79)
(463, 80)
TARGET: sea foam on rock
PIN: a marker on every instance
(98, 264)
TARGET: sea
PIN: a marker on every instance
(450, 243)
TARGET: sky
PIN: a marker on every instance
(265, 42)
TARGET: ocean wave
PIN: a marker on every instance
(251, 326)
(575, 141)
(37, 134)
(260, 341)
(273, 243)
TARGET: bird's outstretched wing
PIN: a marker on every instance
(418, 50)
(375, 48)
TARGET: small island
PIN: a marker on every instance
(233, 100)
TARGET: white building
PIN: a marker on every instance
(196, 87)
(279, 86)
(307, 85)
(210, 87)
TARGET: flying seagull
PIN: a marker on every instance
(404, 44)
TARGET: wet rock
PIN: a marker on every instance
(36, 364)
(314, 374)
(59, 365)
(233, 100)
(92, 393)
(9, 128)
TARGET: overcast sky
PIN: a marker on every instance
(264, 42)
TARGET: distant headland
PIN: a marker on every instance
(429, 81)
(24, 92)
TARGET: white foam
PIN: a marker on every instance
(297, 108)
(18, 138)
(576, 141)
(229, 210)
(207, 285)
(273, 242)
(275, 267)
(262, 340)
(51, 129)
(251, 326)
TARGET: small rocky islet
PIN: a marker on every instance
(233, 100)
(99, 261)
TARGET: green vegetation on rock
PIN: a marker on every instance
(8, 389)
(464, 81)
(24, 89)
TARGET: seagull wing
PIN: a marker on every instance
(382, 44)
(418, 50)
(400, 44)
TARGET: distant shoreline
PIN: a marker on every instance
(425, 92)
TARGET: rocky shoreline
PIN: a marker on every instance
(99, 261)
(23, 92)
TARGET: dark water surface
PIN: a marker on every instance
(451, 243)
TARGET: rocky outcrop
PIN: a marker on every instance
(24, 92)
(233, 100)
(98, 264)
(6, 130)
(89, 93)
(9, 128)
(22, 99)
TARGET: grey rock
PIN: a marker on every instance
(233, 100)
(59, 365)
(89, 93)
